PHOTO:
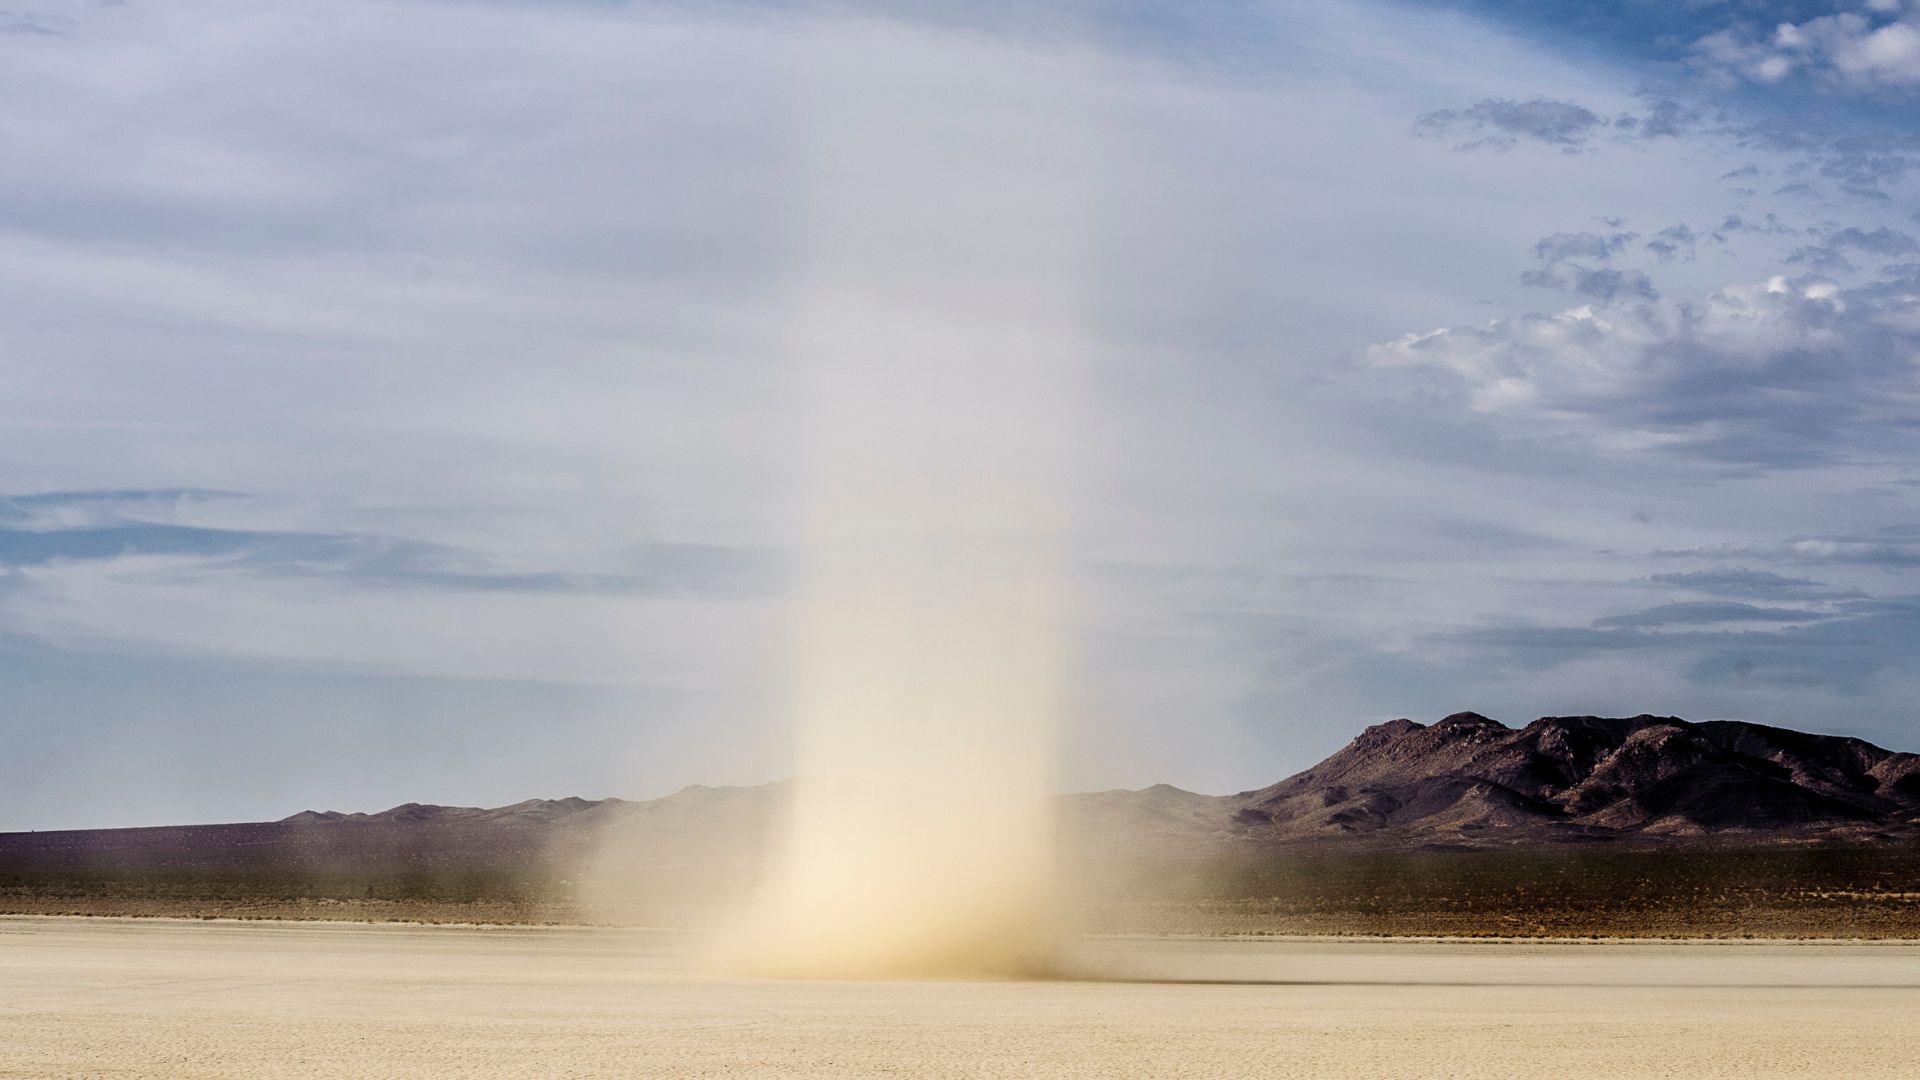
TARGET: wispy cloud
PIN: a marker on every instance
(1752, 583)
(1707, 613)
(1504, 123)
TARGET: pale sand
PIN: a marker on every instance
(97, 997)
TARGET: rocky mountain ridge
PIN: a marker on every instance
(1463, 782)
(1468, 779)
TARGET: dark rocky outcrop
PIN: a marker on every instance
(1468, 777)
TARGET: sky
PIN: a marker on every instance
(398, 401)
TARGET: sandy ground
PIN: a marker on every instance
(108, 997)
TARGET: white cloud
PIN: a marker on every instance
(1849, 50)
(1776, 373)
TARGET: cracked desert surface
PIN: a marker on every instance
(110, 997)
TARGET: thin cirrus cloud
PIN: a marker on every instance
(1893, 548)
(1724, 647)
(41, 531)
(1752, 583)
(1708, 612)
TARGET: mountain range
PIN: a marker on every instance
(1466, 782)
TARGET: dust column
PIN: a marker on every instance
(938, 327)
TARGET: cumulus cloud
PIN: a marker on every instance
(1775, 374)
(1873, 49)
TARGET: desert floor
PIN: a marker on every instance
(111, 997)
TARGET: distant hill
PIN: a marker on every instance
(1465, 782)
(1471, 780)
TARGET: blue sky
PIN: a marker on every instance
(398, 401)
